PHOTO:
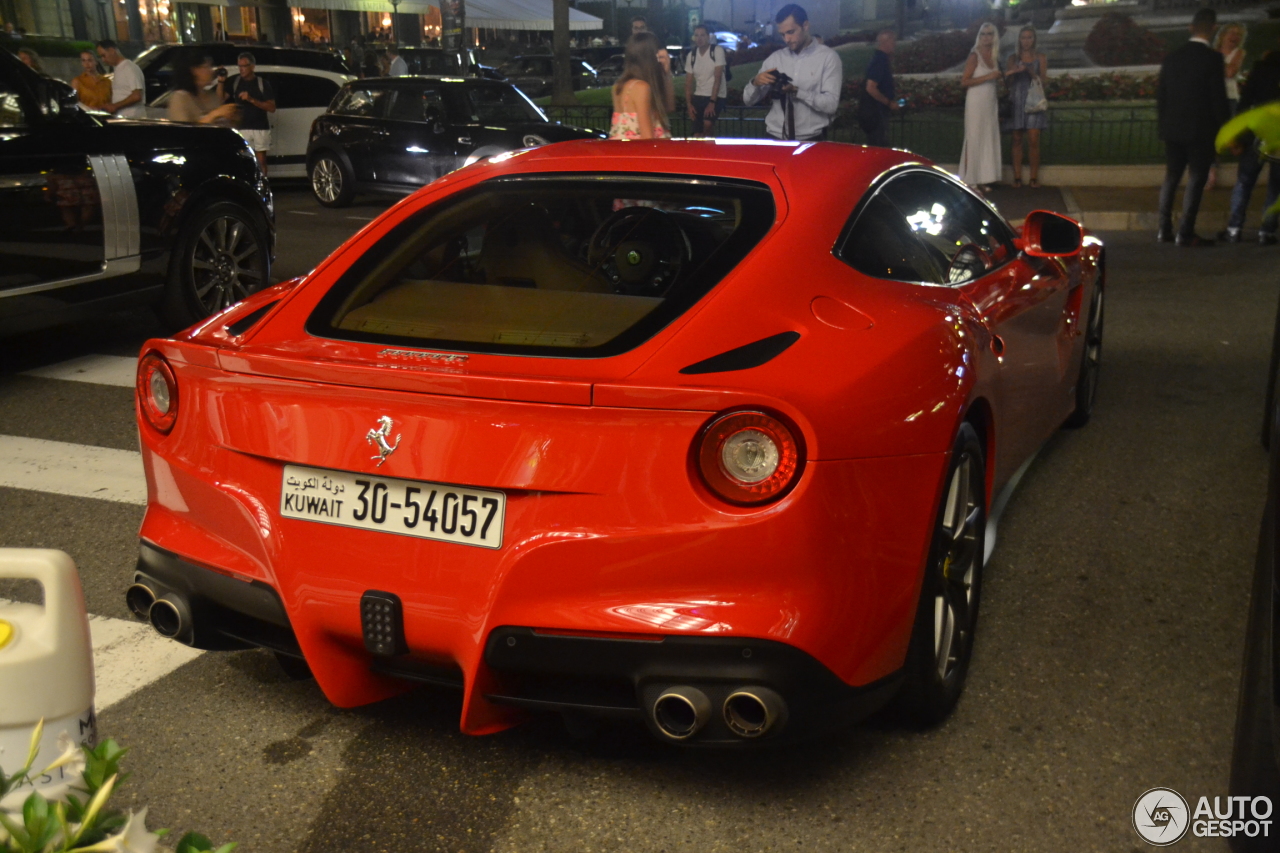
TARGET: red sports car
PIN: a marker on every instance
(706, 434)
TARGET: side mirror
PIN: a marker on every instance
(1050, 235)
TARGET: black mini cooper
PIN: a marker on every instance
(396, 134)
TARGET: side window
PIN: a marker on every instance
(882, 244)
(294, 91)
(962, 236)
(365, 103)
(406, 105)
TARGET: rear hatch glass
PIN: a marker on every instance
(585, 266)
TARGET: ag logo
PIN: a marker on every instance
(1161, 817)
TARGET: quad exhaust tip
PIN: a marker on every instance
(753, 711)
(170, 617)
(681, 712)
(139, 598)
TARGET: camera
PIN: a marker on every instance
(222, 73)
(780, 81)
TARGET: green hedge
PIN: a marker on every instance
(51, 46)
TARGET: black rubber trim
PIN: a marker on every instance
(746, 356)
(420, 671)
(623, 677)
(248, 321)
(228, 613)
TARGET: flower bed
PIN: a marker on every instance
(922, 93)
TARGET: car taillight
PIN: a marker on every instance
(157, 392)
(748, 458)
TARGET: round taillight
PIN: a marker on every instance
(748, 458)
(157, 392)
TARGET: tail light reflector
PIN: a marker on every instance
(748, 458)
(157, 391)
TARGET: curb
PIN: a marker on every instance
(1208, 221)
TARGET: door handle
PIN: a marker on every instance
(464, 140)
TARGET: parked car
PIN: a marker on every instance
(663, 430)
(437, 61)
(608, 71)
(157, 62)
(1255, 760)
(535, 75)
(302, 96)
(395, 134)
(99, 215)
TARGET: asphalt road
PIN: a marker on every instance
(1106, 663)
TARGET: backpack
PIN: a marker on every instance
(693, 58)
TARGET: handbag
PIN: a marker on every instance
(1036, 101)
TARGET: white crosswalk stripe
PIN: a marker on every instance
(127, 656)
(98, 369)
(77, 470)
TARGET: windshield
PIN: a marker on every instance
(548, 265)
(493, 105)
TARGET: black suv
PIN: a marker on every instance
(395, 134)
(98, 215)
(157, 62)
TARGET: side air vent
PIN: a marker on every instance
(746, 356)
(248, 321)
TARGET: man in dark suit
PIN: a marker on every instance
(1191, 101)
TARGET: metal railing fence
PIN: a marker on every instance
(1077, 134)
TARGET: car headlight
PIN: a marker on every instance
(533, 140)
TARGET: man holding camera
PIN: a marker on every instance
(803, 79)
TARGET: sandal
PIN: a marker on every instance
(1034, 184)
(1017, 183)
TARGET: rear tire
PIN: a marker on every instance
(942, 639)
(1090, 360)
(331, 183)
(220, 257)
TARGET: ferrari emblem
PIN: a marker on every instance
(378, 438)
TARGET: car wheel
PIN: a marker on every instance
(942, 639)
(331, 183)
(221, 256)
(1090, 361)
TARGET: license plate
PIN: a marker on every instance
(407, 507)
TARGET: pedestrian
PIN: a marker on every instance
(642, 95)
(703, 82)
(93, 89)
(811, 94)
(1262, 87)
(980, 156)
(1025, 73)
(193, 101)
(876, 102)
(1191, 104)
(127, 82)
(30, 58)
(218, 34)
(256, 97)
(1228, 42)
(396, 66)
(639, 25)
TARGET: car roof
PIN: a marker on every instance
(294, 69)
(410, 79)
(291, 56)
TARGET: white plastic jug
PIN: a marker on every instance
(46, 670)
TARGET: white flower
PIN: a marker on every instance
(134, 838)
(72, 757)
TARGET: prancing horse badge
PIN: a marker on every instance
(378, 437)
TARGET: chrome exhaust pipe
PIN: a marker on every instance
(681, 712)
(171, 618)
(753, 711)
(139, 598)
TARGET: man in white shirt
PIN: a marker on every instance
(127, 82)
(704, 78)
(397, 67)
(816, 77)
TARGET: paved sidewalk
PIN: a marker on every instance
(1122, 208)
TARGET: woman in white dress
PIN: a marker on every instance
(980, 157)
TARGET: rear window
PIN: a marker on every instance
(492, 105)
(357, 101)
(557, 265)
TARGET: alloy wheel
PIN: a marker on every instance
(226, 263)
(953, 604)
(326, 180)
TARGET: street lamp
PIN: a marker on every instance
(395, 24)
